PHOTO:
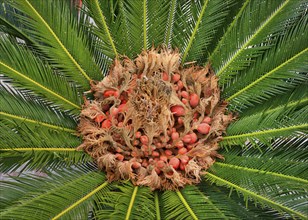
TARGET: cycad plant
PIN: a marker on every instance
(54, 53)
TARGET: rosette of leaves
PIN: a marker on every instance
(51, 50)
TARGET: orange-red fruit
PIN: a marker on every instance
(160, 164)
(178, 110)
(155, 154)
(138, 134)
(106, 124)
(120, 157)
(114, 111)
(99, 118)
(182, 166)
(157, 170)
(176, 77)
(193, 138)
(207, 120)
(136, 165)
(182, 151)
(144, 139)
(163, 158)
(180, 121)
(168, 152)
(184, 159)
(180, 84)
(108, 93)
(122, 108)
(165, 76)
(204, 128)
(175, 135)
(179, 144)
(185, 94)
(187, 138)
(194, 100)
(174, 162)
(184, 101)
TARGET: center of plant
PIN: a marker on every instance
(154, 122)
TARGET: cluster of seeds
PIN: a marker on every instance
(153, 122)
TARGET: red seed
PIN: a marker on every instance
(179, 144)
(135, 142)
(187, 138)
(180, 84)
(180, 121)
(182, 166)
(185, 94)
(165, 76)
(178, 110)
(155, 154)
(108, 93)
(119, 150)
(193, 100)
(184, 159)
(116, 94)
(138, 134)
(105, 107)
(122, 108)
(176, 77)
(157, 171)
(184, 101)
(207, 120)
(168, 152)
(145, 163)
(204, 128)
(120, 157)
(158, 144)
(136, 165)
(163, 158)
(174, 162)
(193, 138)
(99, 118)
(160, 164)
(189, 147)
(114, 111)
(175, 135)
(182, 151)
(106, 124)
(144, 139)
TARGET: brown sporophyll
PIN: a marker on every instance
(153, 121)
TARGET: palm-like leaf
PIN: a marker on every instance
(50, 51)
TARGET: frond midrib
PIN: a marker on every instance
(20, 118)
(186, 205)
(268, 131)
(58, 41)
(262, 172)
(250, 39)
(90, 194)
(255, 195)
(266, 75)
(53, 93)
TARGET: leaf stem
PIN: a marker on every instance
(191, 212)
(131, 203)
(80, 200)
(157, 205)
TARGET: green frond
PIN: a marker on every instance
(265, 188)
(126, 201)
(19, 110)
(11, 26)
(208, 18)
(170, 23)
(25, 137)
(101, 29)
(159, 15)
(31, 73)
(60, 40)
(269, 77)
(67, 194)
(253, 33)
(176, 206)
(133, 12)
(263, 127)
(287, 157)
(223, 205)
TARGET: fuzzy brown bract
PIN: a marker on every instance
(154, 122)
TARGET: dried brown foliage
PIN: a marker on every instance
(154, 122)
